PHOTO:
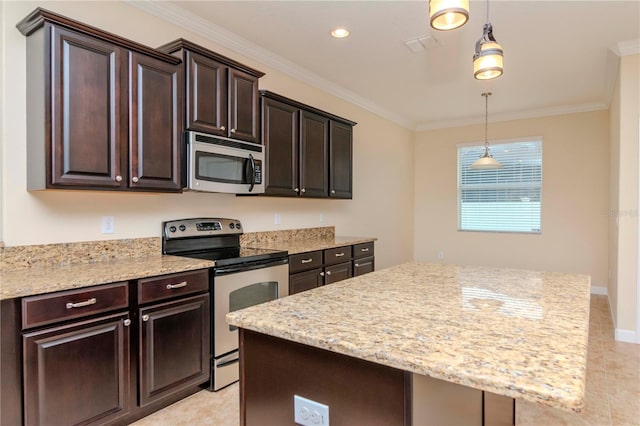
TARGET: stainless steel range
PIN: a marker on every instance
(241, 277)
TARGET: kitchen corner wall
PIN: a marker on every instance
(624, 205)
(575, 192)
(382, 205)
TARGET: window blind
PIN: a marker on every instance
(501, 200)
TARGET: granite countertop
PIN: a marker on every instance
(295, 246)
(517, 333)
(47, 279)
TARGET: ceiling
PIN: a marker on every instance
(560, 56)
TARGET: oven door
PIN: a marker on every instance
(235, 288)
(230, 169)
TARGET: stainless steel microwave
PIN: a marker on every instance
(216, 164)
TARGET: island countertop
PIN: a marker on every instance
(517, 333)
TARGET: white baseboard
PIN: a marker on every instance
(628, 336)
(599, 290)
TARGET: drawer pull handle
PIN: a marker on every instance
(127, 322)
(145, 318)
(365, 249)
(91, 301)
(306, 260)
(339, 254)
(179, 285)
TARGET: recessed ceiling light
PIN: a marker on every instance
(340, 33)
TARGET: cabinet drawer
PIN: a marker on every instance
(337, 273)
(363, 266)
(65, 305)
(304, 261)
(363, 250)
(167, 286)
(337, 255)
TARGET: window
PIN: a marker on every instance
(501, 200)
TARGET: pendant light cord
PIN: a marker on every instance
(487, 11)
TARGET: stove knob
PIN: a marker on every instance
(172, 229)
(238, 225)
(231, 225)
(182, 228)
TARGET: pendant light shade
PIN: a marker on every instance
(486, 161)
(447, 15)
(487, 59)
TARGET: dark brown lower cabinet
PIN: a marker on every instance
(174, 347)
(338, 272)
(77, 373)
(363, 266)
(305, 280)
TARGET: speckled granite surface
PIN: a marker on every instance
(516, 333)
(300, 240)
(39, 280)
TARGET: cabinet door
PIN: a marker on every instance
(174, 347)
(336, 273)
(77, 373)
(280, 137)
(243, 106)
(363, 266)
(86, 112)
(303, 281)
(340, 160)
(206, 95)
(314, 143)
(155, 129)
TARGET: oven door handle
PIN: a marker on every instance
(225, 270)
(253, 172)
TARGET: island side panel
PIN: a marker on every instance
(273, 370)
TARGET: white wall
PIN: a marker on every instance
(624, 187)
(383, 160)
(574, 197)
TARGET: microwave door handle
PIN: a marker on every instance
(253, 172)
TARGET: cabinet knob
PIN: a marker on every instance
(118, 178)
(127, 322)
(357, 265)
(145, 318)
(303, 190)
(223, 128)
(333, 191)
(296, 190)
(135, 179)
(233, 130)
(322, 274)
(328, 272)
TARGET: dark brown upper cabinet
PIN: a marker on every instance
(221, 94)
(103, 112)
(308, 151)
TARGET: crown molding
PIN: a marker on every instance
(198, 25)
(510, 116)
(628, 47)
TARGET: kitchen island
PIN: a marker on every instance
(414, 343)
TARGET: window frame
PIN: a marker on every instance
(492, 145)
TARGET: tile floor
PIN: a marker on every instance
(612, 394)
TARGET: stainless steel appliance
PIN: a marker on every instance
(241, 277)
(216, 164)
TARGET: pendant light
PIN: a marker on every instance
(447, 15)
(487, 59)
(486, 162)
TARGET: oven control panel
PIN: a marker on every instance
(201, 227)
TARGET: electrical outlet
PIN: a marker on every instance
(310, 413)
(321, 217)
(441, 255)
(277, 219)
(108, 225)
